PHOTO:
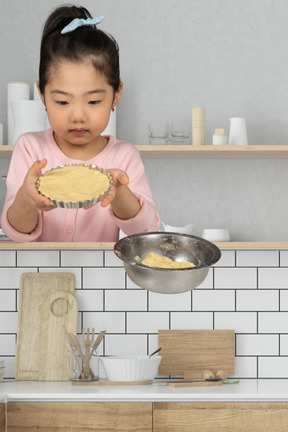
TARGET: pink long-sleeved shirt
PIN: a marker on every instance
(96, 224)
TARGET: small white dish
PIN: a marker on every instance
(216, 234)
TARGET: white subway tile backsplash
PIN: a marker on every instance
(273, 278)
(273, 367)
(283, 345)
(104, 278)
(240, 322)
(273, 322)
(75, 271)
(7, 258)
(7, 301)
(257, 345)
(7, 344)
(245, 367)
(37, 258)
(170, 302)
(235, 278)
(257, 300)
(75, 258)
(255, 258)
(112, 322)
(227, 259)
(8, 322)
(213, 300)
(125, 300)
(111, 260)
(126, 345)
(246, 291)
(147, 322)
(11, 279)
(89, 300)
(192, 320)
(283, 300)
(284, 258)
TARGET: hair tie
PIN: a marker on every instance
(80, 22)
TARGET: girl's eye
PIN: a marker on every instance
(62, 102)
(94, 102)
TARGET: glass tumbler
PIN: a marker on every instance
(158, 133)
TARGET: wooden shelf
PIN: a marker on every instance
(109, 246)
(198, 152)
(214, 152)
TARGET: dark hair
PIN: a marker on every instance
(84, 43)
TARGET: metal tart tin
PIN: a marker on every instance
(78, 204)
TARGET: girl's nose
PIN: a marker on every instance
(77, 114)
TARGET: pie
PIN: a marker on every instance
(74, 183)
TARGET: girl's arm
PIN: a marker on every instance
(23, 213)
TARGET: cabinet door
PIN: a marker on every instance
(220, 417)
(2, 417)
(79, 417)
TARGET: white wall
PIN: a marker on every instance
(227, 55)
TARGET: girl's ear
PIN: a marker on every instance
(40, 94)
(118, 95)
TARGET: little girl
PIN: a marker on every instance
(79, 84)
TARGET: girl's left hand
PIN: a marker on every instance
(120, 178)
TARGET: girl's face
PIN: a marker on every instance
(78, 100)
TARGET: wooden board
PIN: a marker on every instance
(195, 350)
(59, 309)
(194, 384)
(111, 383)
(34, 289)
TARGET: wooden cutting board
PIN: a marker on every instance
(59, 310)
(192, 351)
(35, 288)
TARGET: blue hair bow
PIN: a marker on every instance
(79, 22)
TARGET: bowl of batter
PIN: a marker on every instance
(166, 262)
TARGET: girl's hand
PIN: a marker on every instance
(120, 178)
(29, 194)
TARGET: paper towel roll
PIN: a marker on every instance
(111, 127)
(15, 91)
(36, 97)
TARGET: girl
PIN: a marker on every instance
(79, 84)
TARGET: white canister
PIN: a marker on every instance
(219, 137)
(111, 127)
(28, 116)
(238, 131)
(15, 91)
(1, 133)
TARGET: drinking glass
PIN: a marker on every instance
(180, 133)
(158, 133)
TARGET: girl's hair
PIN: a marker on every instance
(84, 43)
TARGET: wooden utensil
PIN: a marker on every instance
(88, 341)
(192, 351)
(97, 342)
(34, 289)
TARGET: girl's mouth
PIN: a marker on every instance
(78, 132)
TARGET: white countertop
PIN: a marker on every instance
(247, 390)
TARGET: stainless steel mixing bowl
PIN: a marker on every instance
(179, 247)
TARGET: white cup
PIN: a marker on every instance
(187, 229)
(213, 234)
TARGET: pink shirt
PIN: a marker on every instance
(96, 224)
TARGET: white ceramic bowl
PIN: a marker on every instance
(138, 368)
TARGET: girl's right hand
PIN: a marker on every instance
(30, 196)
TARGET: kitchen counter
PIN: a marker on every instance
(247, 390)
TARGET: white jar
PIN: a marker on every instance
(219, 137)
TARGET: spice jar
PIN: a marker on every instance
(219, 137)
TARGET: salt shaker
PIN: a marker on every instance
(219, 137)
